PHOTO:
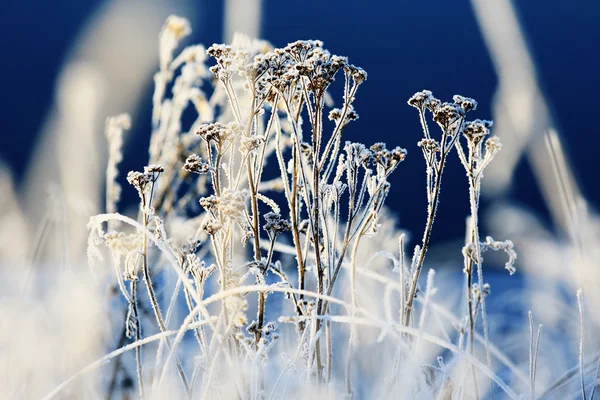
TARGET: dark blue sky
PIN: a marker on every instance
(405, 46)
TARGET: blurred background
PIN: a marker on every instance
(51, 48)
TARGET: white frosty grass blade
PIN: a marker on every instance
(393, 332)
(167, 252)
(439, 309)
(114, 354)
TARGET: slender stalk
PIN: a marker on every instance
(349, 390)
(474, 196)
(152, 295)
(427, 234)
(138, 336)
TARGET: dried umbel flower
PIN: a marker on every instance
(275, 225)
(476, 130)
(251, 143)
(138, 180)
(268, 337)
(429, 145)
(446, 115)
(332, 193)
(316, 64)
(142, 180)
(218, 132)
(224, 55)
(153, 169)
(335, 115)
(358, 74)
(493, 145)
(210, 203)
(388, 160)
(198, 269)
(398, 154)
(211, 226)
(195, 165)
(467, 104)
(420, 99)
(191, 247)
(274, 70)
(432, 104)
(301, 48)
(357, 154)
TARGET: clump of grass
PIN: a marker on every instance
(261, 206)
(323, 198)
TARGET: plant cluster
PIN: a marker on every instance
(261, 197)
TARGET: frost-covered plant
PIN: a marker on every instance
(261, 198)
(333, 192)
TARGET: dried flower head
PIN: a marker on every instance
(210, 203)
(195, 165)
(275, 225)
(357, 154)
(429, 145)
(251, 143)
(358, 74)
(420, 99)
(138, 180)
(153, 169)
(211, 226)
(476, 130)
(446, 115)
(335, 115)
(216, 132)
(198, 269)
(386, 160)
(493, 145)
(225, 56)
(467, 104)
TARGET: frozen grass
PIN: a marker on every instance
(262, 262)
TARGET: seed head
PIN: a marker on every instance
(466, 103)
(476, 130)
(195, 165)
(419, 99)
(275, 225)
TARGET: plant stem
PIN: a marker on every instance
(152, 295)
(427, 234)
(138, 336)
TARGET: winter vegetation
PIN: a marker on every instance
(262, 263)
